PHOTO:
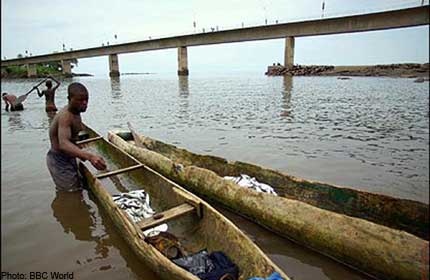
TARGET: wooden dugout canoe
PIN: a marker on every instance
(382, 236)
(194, 222)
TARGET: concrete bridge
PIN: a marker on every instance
(358, 23)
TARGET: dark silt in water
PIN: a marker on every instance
(367, 133)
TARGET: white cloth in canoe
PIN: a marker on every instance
(246, 181)
(136, 205)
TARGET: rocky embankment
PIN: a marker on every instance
(404, 70)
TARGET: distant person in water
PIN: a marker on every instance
(11, 102)
(15, 103)
(63, 134)
(49, 94)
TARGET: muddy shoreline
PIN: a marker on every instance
(402, 70)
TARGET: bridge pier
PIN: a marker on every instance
(113, 65)
(182, 61)
(67, 67)
(289, 52)
(31, 70)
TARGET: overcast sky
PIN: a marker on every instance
(44, 26)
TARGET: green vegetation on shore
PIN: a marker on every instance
(21, 71)
(43, 70)
(15, 71)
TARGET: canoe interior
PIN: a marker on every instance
(403, 214)
(209, 231)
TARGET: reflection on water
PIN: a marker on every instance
(77, 217)
(183, 86)
(15, 121)
(71, 211)
(286, 95)
(115, 86)
(184, 102)
(287, 82)
(117, 99)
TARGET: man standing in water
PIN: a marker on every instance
(49, 93)
(63, 133)
(10, 101)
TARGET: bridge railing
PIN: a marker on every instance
(246, 24)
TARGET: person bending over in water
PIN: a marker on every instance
(11, 101)
(63, 133)
(49, 93)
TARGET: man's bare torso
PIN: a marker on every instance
(49, 96)
(9, 98)
(75, 124)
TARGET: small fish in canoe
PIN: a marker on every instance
(374, 233)
(193, 225)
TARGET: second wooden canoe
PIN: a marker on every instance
(377, 234)
(195, 223)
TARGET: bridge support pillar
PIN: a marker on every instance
(289, 52)
(31, 70)
(182, 61)
(113, 65)
(66, 65)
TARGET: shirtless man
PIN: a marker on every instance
(49, 93)
(10, 100)
(63, 133)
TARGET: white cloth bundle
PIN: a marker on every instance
(246, 181)
(136, 205)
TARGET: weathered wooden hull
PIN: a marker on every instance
(366, 238)
(204, 228)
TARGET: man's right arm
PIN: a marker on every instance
(66, 145)
(7, 105)
(57, 82)
(40, 94)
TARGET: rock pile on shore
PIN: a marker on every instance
(298, 70)
(405, 70)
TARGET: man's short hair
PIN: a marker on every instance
(75, 88)
(4, 93)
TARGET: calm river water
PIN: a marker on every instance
(367, 133)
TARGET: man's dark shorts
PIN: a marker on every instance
(64, 171)
(17, 107)
(50, 108)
